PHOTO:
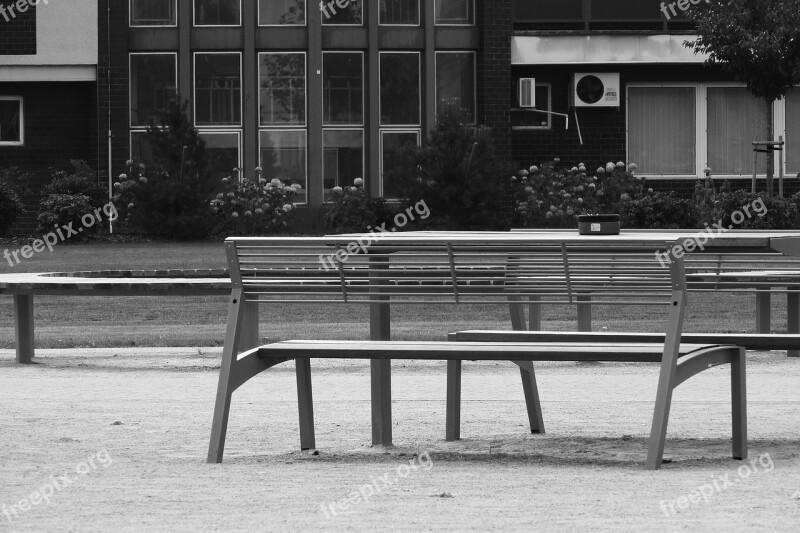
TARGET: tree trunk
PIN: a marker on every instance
(770, 152)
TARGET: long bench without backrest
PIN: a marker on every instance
(447, 274)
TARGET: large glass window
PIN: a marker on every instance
(399, 12)
(282, 83)
(342, 12)
(218, 89)
(793, 131)
(153, 84)
(11, 121)
(342, 159)
(735, 118)
(217, 12)
(400, 88)
(393, 145)
(343, 88)
(153, 12)
(539, 10)
(282, 12)
(222, 152)
(662, 136)
(283, 156)
(455, 12)
(455, 83)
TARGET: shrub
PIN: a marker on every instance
(12, 188)
(69, 196)
(778, 213)
(248, 207)
(457, 174)
(170, 196)
(352, 210)
(552, 197)
(658, 211)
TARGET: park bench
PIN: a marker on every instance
(280, 271)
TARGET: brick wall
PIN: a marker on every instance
(59, 127)
(494, 71)
(17, 30)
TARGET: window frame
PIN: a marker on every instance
(21, 100)
(419, 89)
(363, 89)
(194, 90)
(781, 125)
(415, 25)
(474, 14)
(474, 55)
(361, 3)
(130, 85)
(304, 131)
(132, 25)
(304, 53)
(549, 109)
(303, 25)
(239, 137)
(364, 155)
(381, 133)
(196, 25)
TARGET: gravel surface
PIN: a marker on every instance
(127, 432)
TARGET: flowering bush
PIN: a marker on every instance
(658, 210)
(353, 210)
(553, 197)
(69, 196)
(253, 207)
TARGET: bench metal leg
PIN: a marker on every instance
(305, 404)
(763, 300)
(226, 386)
(667, 381)
(380, 370)
(531, 391)
(534, 313)
(793, 316)
(250, 337)
(739, 406)
(584, 312)
(529, 387)
(453, 426)
(23, 327)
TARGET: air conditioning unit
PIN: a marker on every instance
(594, 89)
(527, 92)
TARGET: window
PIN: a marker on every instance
(539, 10)
(222, 152)
(399, 12)
(662, 129)
(393, 143)
(217, 12)
(283, 156)
(217, 89)
(455, 12)
(455, 83)
(343, 88)
(342, 12)
(153, 13)
(282, 12)
(12, 130)
(735, 118)
(793, 131)
(525, 118)
(153, 84)
(282, 88)
(400, 88)
(342, 158)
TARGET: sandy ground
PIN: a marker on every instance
(127, 430)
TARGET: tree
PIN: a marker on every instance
(757, 42)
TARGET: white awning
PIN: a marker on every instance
(595, 49)
(44, 73)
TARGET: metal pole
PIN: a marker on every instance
(780, 166)
(755, 162)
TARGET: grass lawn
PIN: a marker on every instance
(68, 322)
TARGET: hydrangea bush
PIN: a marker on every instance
(253, 207)
(353, 210)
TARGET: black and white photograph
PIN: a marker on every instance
(399, 265)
